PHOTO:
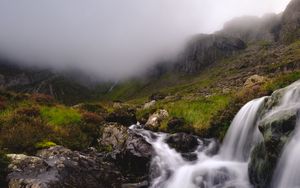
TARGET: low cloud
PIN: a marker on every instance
(113, 39)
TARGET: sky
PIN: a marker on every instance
(112, 39)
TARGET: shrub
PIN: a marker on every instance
(43, 98)
(89, 117)
(21, 136)
(72, 137)
(31, 111)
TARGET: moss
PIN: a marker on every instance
(60, 115)
(44, 144)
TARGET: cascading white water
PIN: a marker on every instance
(288, 169)
(242, 133)
(228, 169)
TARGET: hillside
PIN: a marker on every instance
(64, 129)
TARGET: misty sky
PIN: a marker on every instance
(112, 38)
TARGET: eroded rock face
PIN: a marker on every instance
(155, 119)
(206, 50)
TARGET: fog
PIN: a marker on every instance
(114, 39)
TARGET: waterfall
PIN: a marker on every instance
(243, 133)
(288, 168)
(227, 169)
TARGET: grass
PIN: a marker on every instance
(281, 81)
(198, 112)
(60, 115)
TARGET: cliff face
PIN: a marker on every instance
(207, 49)
(252, 28)
(290, 22)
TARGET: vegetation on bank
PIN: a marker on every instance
(204, 103)
(30, 122)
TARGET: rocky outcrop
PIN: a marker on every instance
(291, 22)
(61, 167)
(124, 162)
(130, 152)
(276, 126)
(205, 50)
(255, 81)
(155, 119)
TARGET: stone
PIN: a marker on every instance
(129, 151)
(182, 142)
(255, 80)
(149, 104)
(155, 119)
(60, 167)
(113, 137)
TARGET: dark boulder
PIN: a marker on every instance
(182, 142)
(124, 116)
(130, 152)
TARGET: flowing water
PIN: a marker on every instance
(226, 169)
(288, 168)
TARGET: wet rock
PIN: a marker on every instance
(182, 142)
(124, 116)
(61, 167)
(155, 120)
(130, 152)
(276, 126)
(134, 159)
